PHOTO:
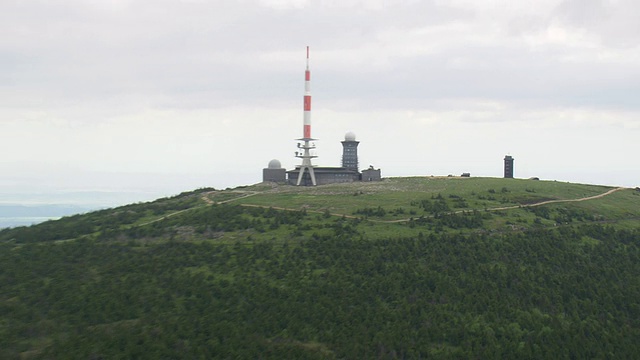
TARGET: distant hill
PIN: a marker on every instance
(21, 215)
(418, 267)
(26, 208)
(39, 210)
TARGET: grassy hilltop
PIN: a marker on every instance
(404, 268)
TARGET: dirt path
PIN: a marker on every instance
(168, 216)
(453, 212)
(522, 206)
(558, 201)
(208, 201)
(206, 198)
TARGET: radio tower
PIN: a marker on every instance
(306, 131)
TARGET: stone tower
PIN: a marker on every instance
(508, 167)
(350, 152)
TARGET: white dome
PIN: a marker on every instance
(350, 136)
(275, 164)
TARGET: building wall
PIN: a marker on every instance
(274, 175)
(350, 155)
(371, 175)
(292, 178)
(324, 176)
(333, 178)
(508, 167)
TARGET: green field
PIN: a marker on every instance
(399, 199)
(479, 193)
(392, 207)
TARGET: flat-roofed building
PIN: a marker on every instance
(324, 176)
(371, 174)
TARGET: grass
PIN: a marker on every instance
(401, 199)
(479, 194)
(400, 192)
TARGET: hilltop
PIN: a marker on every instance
(393, 207)
(444, 204)
(403, 268)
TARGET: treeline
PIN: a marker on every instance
(563, 293)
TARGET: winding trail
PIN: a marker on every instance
(208, 202)
(559, 201)
(168, 216)
(546, 202)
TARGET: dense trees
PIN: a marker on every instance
(568, 292)
(225, 281)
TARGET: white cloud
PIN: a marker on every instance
(112, 91)
(285, 4)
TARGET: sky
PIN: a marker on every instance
(157, 97)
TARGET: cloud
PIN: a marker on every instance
(198, 87)
(613, 21)
(226, 51)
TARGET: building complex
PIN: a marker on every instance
(307, 174)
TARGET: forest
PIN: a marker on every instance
(227, 281)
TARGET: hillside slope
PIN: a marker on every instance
(405, 268)
(396, 206)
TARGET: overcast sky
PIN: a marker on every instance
(166, 96)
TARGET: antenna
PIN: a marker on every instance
(306, 129)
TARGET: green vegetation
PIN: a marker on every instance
(406, 268)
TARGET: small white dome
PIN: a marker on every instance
(350, 136)
(275, 164)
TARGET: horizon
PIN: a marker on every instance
(126, 97)
(39, 207)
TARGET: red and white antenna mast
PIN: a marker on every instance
(307, 101)
(305, 155)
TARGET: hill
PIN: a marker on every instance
(404, 268)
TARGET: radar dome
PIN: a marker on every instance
(275, 164)
(350, 136)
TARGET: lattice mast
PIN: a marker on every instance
(307, 145)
